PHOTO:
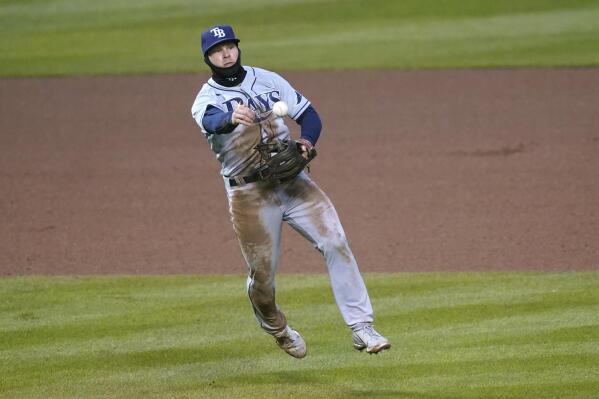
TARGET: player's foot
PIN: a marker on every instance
(291, 342)
(366, 337)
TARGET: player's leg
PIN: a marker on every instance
(311, 213)
(257, 223)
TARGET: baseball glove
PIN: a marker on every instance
(282, 161)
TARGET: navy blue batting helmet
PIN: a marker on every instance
(217, 34)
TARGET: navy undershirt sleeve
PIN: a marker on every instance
(310, 124)
(216, 121)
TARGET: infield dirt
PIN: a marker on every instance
(460, 170)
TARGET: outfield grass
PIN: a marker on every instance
(462, 335)
(73, 37)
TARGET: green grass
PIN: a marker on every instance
(462, 335)
(74, 37)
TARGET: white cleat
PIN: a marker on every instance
(291, 342)
(367, 338)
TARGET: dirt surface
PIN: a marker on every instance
(430, 170)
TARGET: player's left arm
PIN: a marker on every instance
(311, 127)
(301, 111)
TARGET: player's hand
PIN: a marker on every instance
(305, 147)
(243, 115)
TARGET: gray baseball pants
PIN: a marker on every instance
(258, 211)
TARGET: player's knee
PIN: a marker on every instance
(334, 247)
(262, 279)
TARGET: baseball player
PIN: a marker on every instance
(234, 111)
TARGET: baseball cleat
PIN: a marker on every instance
(367, 338)
(291, 342)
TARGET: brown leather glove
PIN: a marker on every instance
(284, 160)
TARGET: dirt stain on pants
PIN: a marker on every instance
(252, 215)
(258, 212)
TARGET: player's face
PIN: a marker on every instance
(224, 55)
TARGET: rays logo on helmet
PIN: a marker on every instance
(218, 32)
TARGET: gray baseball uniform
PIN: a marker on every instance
(258, 209)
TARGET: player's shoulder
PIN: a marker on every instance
(271, 78)
(258, 70)
(261, 72)
(206, 95)
(208, 87)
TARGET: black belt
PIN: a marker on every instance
(241, 180)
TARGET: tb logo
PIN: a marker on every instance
(217, 32)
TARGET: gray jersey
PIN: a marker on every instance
(259, 91)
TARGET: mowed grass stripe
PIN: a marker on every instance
(82, 37)
(454, 335)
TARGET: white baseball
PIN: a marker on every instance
(280, 108)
